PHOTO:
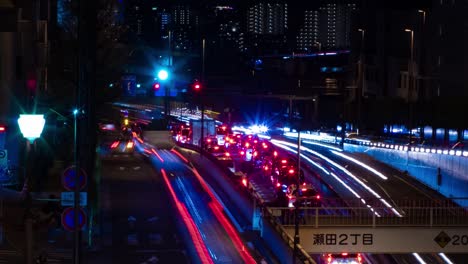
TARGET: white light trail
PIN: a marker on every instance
(420, 260)
(322, 145)
(361, 164)
(336, 177)
(280, 143)
(445, 258)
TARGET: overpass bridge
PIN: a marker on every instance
(423, 227)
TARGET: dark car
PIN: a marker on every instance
(218, 151)
(304, 196)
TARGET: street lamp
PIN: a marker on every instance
(297, 204)
(411, 84)
(201, 99)
(76, 203)
(424, 15)
(361, 79)
(31, 127)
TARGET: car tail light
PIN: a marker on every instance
(278, 184)
(344, 254)
(227, 154)
(130, 145)
(242, 152)
(208, 140)
(291, 171)
(115, 144)
(216, 147)
(255, 154)
(255, 141)
(359, 258)
(304, 189)
(2, 129)
(275, 153)
(318, 197)
(247, 144)
(227, 138)
(265, 168)
(329, 259)
(284, 161)
(244, 182)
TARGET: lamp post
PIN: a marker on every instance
(297, 204)
(201, 99)
(361, 80)
(76, 203)
(31, 127)
(423, 14)
(410, 86)
(421, 57)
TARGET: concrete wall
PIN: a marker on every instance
(424, 166)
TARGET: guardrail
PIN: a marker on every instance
(334, 140)
(303, 256)
(359, 216)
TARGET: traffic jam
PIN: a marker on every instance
(266, 171)
(255, 160)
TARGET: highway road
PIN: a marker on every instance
(139, 222)
(364, 177)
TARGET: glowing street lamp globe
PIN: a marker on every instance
(163, 75)
(31, 126)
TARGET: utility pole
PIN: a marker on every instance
(201, 99)
(85, 125)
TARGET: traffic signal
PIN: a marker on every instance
(163, 75)
(196, 85)
(156, 86)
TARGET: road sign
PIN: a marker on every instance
(69, 178)
(68, 198)
(3, 157)
(68, 219)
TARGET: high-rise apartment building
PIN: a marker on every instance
(329, 26)
(228, 27)
(267, 18)
(308, 36)
(184, 27)
(266, 27)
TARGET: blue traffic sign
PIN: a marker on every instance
(68, 219)
(69, 178)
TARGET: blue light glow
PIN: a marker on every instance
(163, 75)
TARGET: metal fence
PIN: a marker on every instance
(372, 217)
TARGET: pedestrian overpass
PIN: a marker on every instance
(425, 227)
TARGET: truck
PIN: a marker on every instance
(209, 129)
